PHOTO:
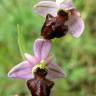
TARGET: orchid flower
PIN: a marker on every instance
(75, 22)
(41, 57)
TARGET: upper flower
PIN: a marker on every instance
(42, 59)
(75, 23)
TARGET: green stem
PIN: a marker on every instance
(20, 41)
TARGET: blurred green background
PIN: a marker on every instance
(76, 56)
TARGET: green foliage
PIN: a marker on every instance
(76, 56)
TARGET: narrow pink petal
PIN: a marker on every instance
(46, 7)
(31, 59)
(22, 70)
(54, 71)
(42, 48)
(75, 26)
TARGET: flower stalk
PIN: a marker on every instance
(20, 41)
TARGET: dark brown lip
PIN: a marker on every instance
(54, 27)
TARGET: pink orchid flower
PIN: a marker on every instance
(75, 22)
(42, 52)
